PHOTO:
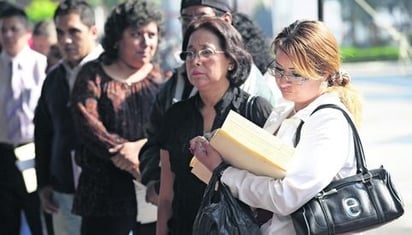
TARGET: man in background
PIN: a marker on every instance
(22, 75)
(44, 36)
(55, 138)
(44, 40)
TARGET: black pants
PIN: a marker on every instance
(145, 229)
(115, 225)
(108, 225)
(14, 199)
(48, 219)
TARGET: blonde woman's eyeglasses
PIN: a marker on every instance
(293, 78)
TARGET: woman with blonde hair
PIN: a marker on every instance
(307, 69)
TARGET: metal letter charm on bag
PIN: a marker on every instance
(352, 204)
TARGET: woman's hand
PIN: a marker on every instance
(205, 153)
(126, 157)
(151, 195)
(46, 194)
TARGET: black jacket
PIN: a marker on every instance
(149, 155)
(54, 134)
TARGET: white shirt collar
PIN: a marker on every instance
(326, 98)
(20, 57)
(283, 109)
(71, 73)
(91, 56)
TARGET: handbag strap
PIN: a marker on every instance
(359, 153)
(211, 186)
(249, 106)
(298, 130)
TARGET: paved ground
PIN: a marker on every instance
(387, 128)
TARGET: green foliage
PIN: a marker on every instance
(39, 10)
(353, 54)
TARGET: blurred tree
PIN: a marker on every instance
(353, 14)
(263, 17)
(359, 20)
(38, 10)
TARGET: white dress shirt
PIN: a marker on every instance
(325, 152)
(28, 76)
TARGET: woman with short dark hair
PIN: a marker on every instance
(216, 65)
(112, 99)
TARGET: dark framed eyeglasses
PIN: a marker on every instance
(205, 53)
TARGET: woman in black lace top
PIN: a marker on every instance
(111, 101)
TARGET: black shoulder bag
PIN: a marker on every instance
(352, 204)
(221, 213)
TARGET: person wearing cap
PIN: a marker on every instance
(178, 88)
(192, 10)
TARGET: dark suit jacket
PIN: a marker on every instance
(54, 134)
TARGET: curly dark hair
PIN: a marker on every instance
(231, 43)
(254, 40)
(131, 13)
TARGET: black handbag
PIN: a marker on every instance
(221, 213)
(352, 204)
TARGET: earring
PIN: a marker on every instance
(230, 68)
